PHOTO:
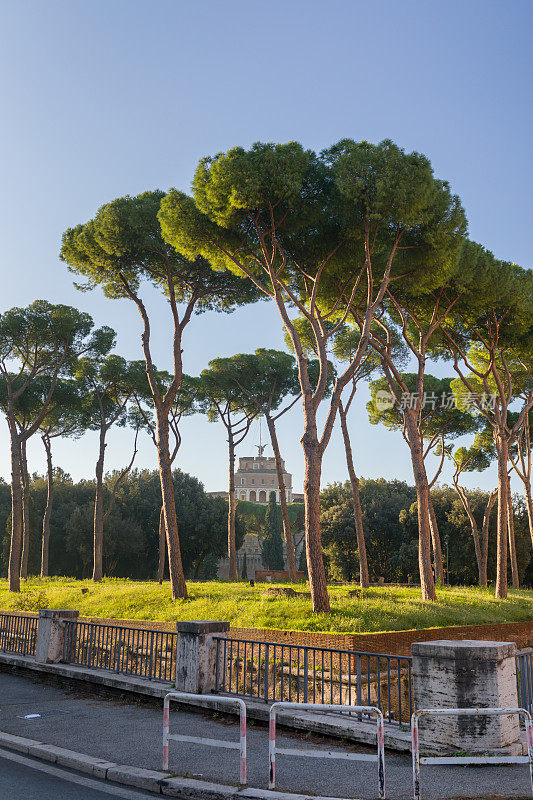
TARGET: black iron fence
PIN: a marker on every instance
(18, 633)
(142, 652)
(269, 671)
(524, 679)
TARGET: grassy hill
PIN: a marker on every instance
(352, 610)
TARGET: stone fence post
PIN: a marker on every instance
(196, 655)
(466, 674)
(51, 633)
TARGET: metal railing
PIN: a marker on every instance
(179, 737)
(142, 652)
(18, 634)
(468, 759)
(524, 679)
(296, 673)
(379, 758)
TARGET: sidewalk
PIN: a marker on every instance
(131, 733)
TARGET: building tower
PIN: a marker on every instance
(257, 477)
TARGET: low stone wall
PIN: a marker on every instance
(393, 642)
(276, 575)
(388, 642)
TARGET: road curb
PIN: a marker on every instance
(147, 779)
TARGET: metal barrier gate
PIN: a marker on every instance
(462, 760)
(524, 679)
(272, 749)
(216, 700)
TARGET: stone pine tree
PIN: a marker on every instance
(438, 422)
(27, 407)
(108, 383)
(520, 458)
(474, 459)
(484, 442)
(321, 236)
(268, 380)
(272, 550)
(343, 347)
(221, 399)
(414, 314)
(41, 340)
(63, 418)
(121, 250)
(183, 406)
(489, 339)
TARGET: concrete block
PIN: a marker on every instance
(347, 728)
(46, 752)
(136, 776)
(270, 794)
(202, 627)
(17, 743)
(50, 634)
(466, 674)
(196, 655)
(82, 763)
(100, 770)
(191, 789)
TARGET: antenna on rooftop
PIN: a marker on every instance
(260, 447)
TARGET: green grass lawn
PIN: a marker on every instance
(377, 609)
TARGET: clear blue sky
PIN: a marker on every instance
(100, 99)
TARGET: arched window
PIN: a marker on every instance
(262, 497)
(252, 496)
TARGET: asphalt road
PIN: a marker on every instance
(27, 779)
(129, 732)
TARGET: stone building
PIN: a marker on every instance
(257, 477)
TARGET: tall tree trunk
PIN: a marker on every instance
(98, 529)
(48, 508)
(356, 501)
(427, 584)
(512, 544)
(287, 533)
(162, 536)
(485, 536)
(16, 511)
(175, 566)
(232, 550)
(313, 540)
(478, 548)
(529, 506)
(25, 510)
(501, 532)
(435, 541)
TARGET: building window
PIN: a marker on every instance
(252, 480)
(262, 480)
(256, 466)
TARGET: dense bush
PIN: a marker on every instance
(390, 523)
(131, 532)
